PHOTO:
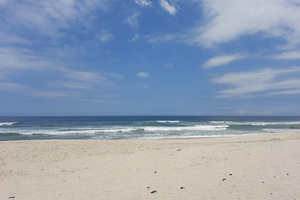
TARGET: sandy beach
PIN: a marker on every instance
(246, 167)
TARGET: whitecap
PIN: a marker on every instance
(167, 121)
(8, 123)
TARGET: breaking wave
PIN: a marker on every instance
(8, 123)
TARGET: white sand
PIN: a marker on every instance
(247, 167)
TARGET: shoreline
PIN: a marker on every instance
(264, 166)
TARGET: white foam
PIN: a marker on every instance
(122, 129)
(221, 122)
(178, 128)
(273, 123)
(255, 123)
(8, 123)
(168, 121)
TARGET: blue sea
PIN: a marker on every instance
(140, 127)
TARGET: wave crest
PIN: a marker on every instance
(8, 123)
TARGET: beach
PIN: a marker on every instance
(262, 166)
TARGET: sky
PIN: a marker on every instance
(149, 57)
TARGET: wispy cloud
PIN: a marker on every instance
(29, 91)
(162, 38)
(168, 65)
(221, 60)
(142, 86)
(229, 20)
(143, 3)
(135, 38)
(12, 59)
(85, 76)
(73, 85)
(269, 81)
(132, 20)
(6, 38)
(49, 18)
(19, 58)
(287, 55)
(167, 7)
(143, 74)
(66, 81)
(104, 36)
(287, 92)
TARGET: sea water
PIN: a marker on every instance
(141, 127)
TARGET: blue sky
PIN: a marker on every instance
(149, 57)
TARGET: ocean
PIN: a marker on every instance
(140, 127)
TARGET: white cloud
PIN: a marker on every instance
(163, 38)
(143, 74)
(132, 20)
(11, 39)
(74, 85)
(68, 52)
(228, 20)
(272, 81)
(29, 91)
(104, 36)
(4, 2)
(49, 17)
(285, 92)
(15, 59)
(168, 65)
(143, 3)
(12, 58)
(221, 60)
(167, 7)
(135, 38)
(287, 55)
(82, 75)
